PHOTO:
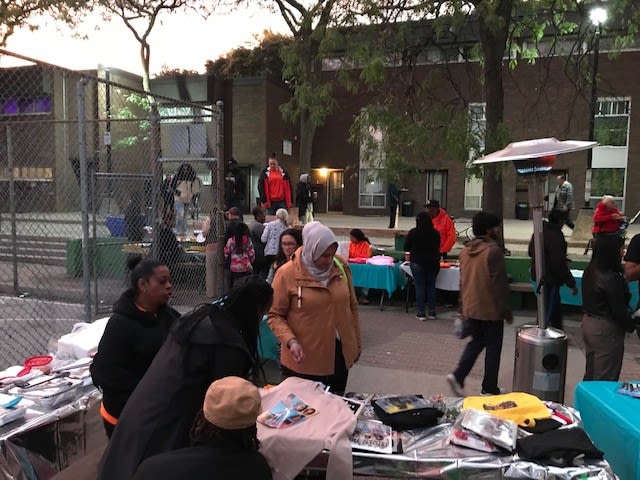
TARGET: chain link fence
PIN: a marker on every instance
(90, 177)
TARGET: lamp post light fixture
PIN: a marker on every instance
(541, 351)
(597, 16)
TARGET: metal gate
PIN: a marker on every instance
(84, 159)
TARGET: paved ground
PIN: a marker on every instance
(404, 355)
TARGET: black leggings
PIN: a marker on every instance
(337, 382)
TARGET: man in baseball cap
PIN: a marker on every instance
(443, 223)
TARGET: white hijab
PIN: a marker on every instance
(316, 238)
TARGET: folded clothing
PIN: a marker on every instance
(561, 448)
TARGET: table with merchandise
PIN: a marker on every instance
(49, 409)
(465, 440)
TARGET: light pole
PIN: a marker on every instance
(597, 16)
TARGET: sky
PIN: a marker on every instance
(184, 41)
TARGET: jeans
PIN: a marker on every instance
(424, 282)
(484, 334)
(275, 206)
(552, 308)
(181, 213)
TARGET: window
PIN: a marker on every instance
(607, 181)
(611, 124)
(26, 106)
(473, 183)
(371, 188)
(184, 114)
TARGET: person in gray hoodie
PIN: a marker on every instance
(484, 293)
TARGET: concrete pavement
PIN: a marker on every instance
(404, 355)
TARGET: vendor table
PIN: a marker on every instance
(387, 278)
(448, 279)
(45, 442)
(427, 453)
(612, 420)
(568, 299)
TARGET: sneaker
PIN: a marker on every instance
(421, 316)
(456, 387)
(363, 301)
(497, 391)
(432, 315)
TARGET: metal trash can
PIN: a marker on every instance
(407, 208)
(522, 211)
(540, 364)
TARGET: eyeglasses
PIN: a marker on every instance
(289, 244)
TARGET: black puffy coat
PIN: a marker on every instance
(162, 409)
(130, 341)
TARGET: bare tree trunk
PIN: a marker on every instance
(145, 57)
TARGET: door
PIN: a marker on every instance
(437, 187)
(335, 187)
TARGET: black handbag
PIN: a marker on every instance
(406, 412)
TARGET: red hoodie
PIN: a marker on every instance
(444, 225)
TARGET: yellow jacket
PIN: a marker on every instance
(312, 313)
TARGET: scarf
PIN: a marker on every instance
(316, 238)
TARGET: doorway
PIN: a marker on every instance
(437, 186)
(335, 187)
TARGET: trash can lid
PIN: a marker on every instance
(541, 334)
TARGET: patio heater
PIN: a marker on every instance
(540, 362)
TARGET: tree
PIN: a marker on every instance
(263, 59)
(140, 16)
(311, 99)
(18, 13)
(503, 26)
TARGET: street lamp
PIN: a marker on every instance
(597, 16)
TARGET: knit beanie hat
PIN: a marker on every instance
(232, 403)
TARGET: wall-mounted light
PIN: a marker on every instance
(324, 172)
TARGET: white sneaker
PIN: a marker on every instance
(456, 387)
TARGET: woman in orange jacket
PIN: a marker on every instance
(315, 312)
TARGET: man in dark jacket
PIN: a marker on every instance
(556, 268)
(224, 439)
(235, 186)
(484, 293)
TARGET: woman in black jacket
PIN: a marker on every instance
(423, 245)
(213, 341)
(605, 301)
(135, 332)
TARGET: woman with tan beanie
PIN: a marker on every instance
(224, 439)
(315, 312)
